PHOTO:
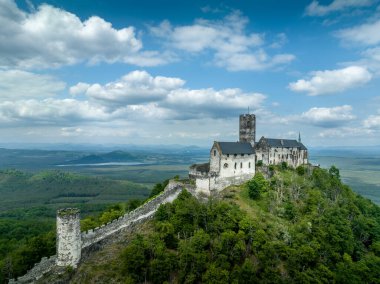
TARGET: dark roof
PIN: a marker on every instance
(236, 147)
(201, 167)
(284, 143)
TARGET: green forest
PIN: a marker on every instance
(28, 210)
(296, 227)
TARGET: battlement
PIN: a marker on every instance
(71, 242)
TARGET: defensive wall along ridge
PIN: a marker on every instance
(71, 242)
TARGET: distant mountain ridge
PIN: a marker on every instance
(114, 156)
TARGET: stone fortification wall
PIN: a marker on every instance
(91, 237)
(212, 184)
(45, 265)
(141, 213)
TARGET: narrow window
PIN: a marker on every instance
(235, 166)
(214, 152)
(249, 165)
(241, 165)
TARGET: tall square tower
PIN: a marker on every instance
(247, 128)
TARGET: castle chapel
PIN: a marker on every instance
(233, 163)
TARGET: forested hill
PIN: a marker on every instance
(295, 227)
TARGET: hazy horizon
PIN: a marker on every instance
(181, 72)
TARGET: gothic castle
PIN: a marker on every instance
(235, 162)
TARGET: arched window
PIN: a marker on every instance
(214, 152)
(235, 165)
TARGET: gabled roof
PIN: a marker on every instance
(283, 143)
(235, 148)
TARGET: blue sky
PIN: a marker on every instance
(180, 72)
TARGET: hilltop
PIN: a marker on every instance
(295, 227)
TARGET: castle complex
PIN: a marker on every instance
(231, 163)
(235, 162)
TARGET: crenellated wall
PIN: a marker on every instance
(141, 213)
(45, 265)
(91, 237)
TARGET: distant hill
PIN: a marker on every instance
(114, 156)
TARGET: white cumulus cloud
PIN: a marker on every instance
(344, 132)
(52, 37)
(233, 47)
(166, 97)
(133, 88)
(332, 81)
(51, 112)
(17, 84)
(365, 34)
(214, 103)
(372, 122)
(328, 117)
(316, 9)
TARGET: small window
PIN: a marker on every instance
(249, 165)
(214, 152)
(235, 155)
(241, 165)
(228, 155)
(235, 165)
(242, 155)
(225, 165)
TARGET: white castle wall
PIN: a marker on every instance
(292, 156)
(234, 170)
(237, 165)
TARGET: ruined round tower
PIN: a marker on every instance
(247, 128)
(68, 237)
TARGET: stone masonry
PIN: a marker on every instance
(70, 242)
(68, 237)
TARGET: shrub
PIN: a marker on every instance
(300, 170)
(284, 165)
(334, 172)
(257, 185)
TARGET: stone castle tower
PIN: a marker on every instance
(247, 128)
(68, 237)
